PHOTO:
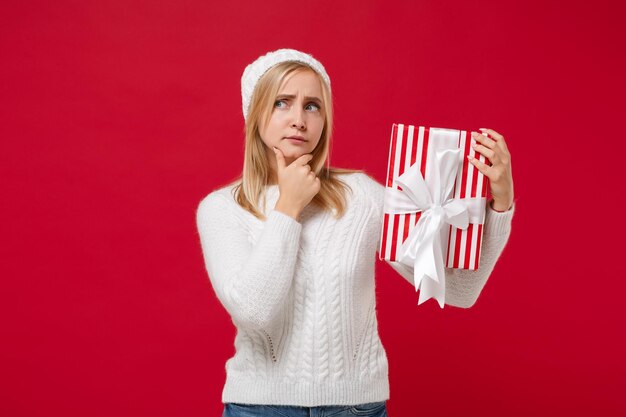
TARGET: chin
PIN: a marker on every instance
(295, 153)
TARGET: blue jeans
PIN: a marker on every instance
(377, 409)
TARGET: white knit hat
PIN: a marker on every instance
(255, 71)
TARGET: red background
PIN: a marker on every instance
(117, 118)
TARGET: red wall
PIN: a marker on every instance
(117, 117)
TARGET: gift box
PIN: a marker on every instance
(434, 207)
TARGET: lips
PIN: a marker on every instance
(300, 138)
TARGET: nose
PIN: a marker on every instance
(298, 119)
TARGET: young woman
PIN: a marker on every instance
(290, 249)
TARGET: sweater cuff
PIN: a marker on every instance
(285, 224)
(498, 223)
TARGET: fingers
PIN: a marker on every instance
(280, 158)
(481, 166)
(304, 159)
(313, 175)
(492, 146)
(489, 154)
(495, 135)
(484, 140)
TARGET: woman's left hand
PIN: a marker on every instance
(494, 148)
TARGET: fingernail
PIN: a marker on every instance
(481, 128)
(474, 134)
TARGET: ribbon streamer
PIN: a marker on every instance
(425, 246)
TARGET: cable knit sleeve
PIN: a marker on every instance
(251, 281)
(463, 286)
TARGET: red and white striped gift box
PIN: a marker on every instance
(410, 145)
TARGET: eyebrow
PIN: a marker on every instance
(291, 96)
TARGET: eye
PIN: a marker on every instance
(276, 104)
(316, 107)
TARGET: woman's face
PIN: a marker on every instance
(297, 111)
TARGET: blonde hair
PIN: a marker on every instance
(256, 167)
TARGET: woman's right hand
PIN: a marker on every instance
(297, 184)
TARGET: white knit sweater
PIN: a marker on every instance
(302, 295)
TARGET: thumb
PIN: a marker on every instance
(280, 158)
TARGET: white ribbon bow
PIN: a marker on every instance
(425, 246)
